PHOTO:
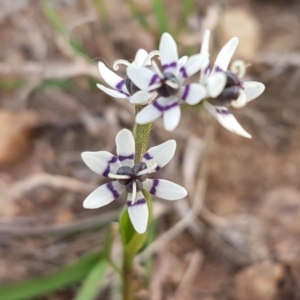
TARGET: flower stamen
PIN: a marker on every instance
(154, 87)
(117, 176)
(120, 62)
(157, 70)
(172, 84)
(150, 56)
(239, 68)
(148, 170)
(133, 192)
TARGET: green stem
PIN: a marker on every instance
(127, 275)
(134, 241)
(141, 135)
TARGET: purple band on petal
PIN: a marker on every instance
(155, 78)
(164, 108)
(112, 190)
(107, 170)
(154, 185)
(186, 92)
(147, 156)
(183, 72)
(124, 157)
(171, 106)
(223, 111)
(157, 168)
(171, 65)
(158, 106)
(218, 69)
(207, 69)
(120, 84)
(138, 202)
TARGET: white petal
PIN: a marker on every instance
(141, 97)
(138, 212)
(192, 66)
(168, 53)
(205, 43)
(150, 113)
(142, 77)
(140, 57)
(112, 79)
(101, 162)
(253, 89)
(172, 115)
(111, 92)
(103, 195)
(225, 55)
(164, 189)
(205, 71)
(216, 84)
(181, 61)
(226, 119)
(125, 147)
(160, 154)
(193, 93)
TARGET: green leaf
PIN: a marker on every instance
(132, 240)
(161, 16)
(91, 285)
(39, 286)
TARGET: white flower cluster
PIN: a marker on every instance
(161, 91)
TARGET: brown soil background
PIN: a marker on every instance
(244, 243)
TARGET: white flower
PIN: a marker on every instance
(131, 177)
(123, 88)
(168, 84)
(224, 88)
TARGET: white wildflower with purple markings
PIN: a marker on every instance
(225, 88)
(123, 88)
(128, 176)
(168, 83)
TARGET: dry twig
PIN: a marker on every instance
(55, 181)
(190, 274)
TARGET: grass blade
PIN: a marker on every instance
(60, 27)
(187, 7)
(39, 286)
(92, 283)
(54, 19)
(137, 14)
(161, 16)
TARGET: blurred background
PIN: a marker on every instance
(243, 242)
